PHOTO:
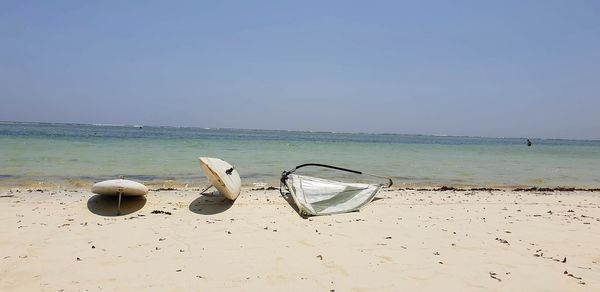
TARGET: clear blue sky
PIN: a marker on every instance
(486, 68)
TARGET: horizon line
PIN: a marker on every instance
(284, 130)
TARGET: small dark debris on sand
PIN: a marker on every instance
(445, 188)
(269, 188)
(493, 276)
(556, 189)
(502, 240)
(450, 188)
(484, 189)
(160, 212)
(571, 275)
(164, 189)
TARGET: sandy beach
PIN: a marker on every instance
(179, 240)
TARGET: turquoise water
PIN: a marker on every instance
(64, 152)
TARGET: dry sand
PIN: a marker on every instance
(405, 240)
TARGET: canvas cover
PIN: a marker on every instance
(317, 196)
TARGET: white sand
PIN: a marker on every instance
(406, 240)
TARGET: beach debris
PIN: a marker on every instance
(571, 275)
(269, 188)
(557, 189)
(320, 257)
(445, 188)
(564, 260)
(502, 240)
(388, 237)
(160, 212)
(493, 276)
(484, 189)
(162, 239)
(78, 259)
(178, 270)
(93, 246)
(164, 189)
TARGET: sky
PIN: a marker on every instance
(474, 68)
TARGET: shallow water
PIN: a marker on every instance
(72, 152)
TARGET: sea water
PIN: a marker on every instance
(58, 153)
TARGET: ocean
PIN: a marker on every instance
(78, 154)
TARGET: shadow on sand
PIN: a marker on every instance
(107, 205)
(210, 204)
(288, 198)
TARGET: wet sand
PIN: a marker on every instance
(180, 240)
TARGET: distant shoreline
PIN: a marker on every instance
(299, 131)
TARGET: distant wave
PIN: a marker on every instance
(117, 125)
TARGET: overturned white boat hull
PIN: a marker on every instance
(222, 176)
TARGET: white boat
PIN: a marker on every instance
(119, 187)
(115, 187)
(222, 176)
(317, 196)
